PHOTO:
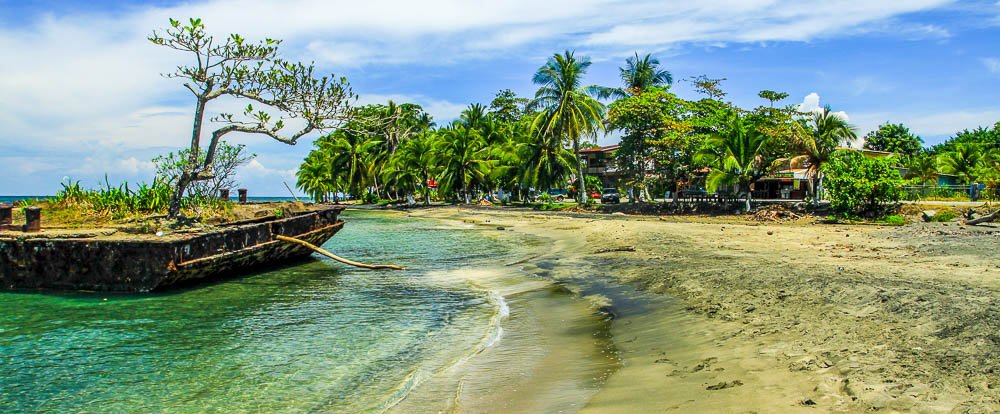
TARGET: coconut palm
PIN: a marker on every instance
(964, 160)
(735, 154)
(923, 168)
(315, 178)
(466, 158)
(824, 131)
(415, 162)
(545, 162)
(641, 73)
(473, 116)
(399, 122)
(351, 158)
(568, 110)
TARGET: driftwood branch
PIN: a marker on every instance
(335, 257)
(984, 219)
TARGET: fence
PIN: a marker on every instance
(708, 198)
(964, 192)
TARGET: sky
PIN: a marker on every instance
(82, 96)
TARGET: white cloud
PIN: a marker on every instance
(753, 21)
(443, 111)
(869, 84)
(811, 104)
(256, 169)
(134, 166)
(992, 65)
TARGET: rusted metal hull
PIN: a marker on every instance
(142, 265)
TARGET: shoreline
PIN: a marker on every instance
(536, 354)
(734, 315)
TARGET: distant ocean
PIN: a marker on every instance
(12, 199)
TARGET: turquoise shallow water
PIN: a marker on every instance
(315, 337)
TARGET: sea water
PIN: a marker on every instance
(313, 337)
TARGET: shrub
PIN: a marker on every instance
(369, 198)
(862, 186)
(894, 220)
(944, 216)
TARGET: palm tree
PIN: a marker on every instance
(400, 122)
(964, 161)
(473, 116)
(465, 156)
(922, 167)
(735, 154)
(641, 73)
(351, 154)
(544, 162)
(416, 161)
(315, 178)
(824, 132)
(568, 110)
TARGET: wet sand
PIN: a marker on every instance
(728, 315)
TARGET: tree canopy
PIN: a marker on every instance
(251, 71)
(895, 138)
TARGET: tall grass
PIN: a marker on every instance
(123, 200)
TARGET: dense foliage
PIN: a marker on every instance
(518, 147)
(895, 138)
(651, 122)
(862, 186)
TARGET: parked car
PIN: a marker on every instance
(610, 195)
(558, 194)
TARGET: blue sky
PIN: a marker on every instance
(82, 96)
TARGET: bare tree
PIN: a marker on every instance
(242, 70)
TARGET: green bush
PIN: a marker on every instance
(894, 220)
(551, 207)
(944, 216)
(369, 198)
(862, 186)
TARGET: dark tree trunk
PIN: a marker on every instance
(189, 171)
(582, 181)
(427, 190)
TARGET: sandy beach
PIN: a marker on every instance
(729, 315)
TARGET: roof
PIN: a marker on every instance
(608, 148)
(793, 174)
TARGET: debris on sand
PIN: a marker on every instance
(774, 213)
(723, 385)
(615, 249)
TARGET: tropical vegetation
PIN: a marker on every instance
(518, 147)
(862, 186)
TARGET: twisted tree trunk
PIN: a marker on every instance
(189, 170)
